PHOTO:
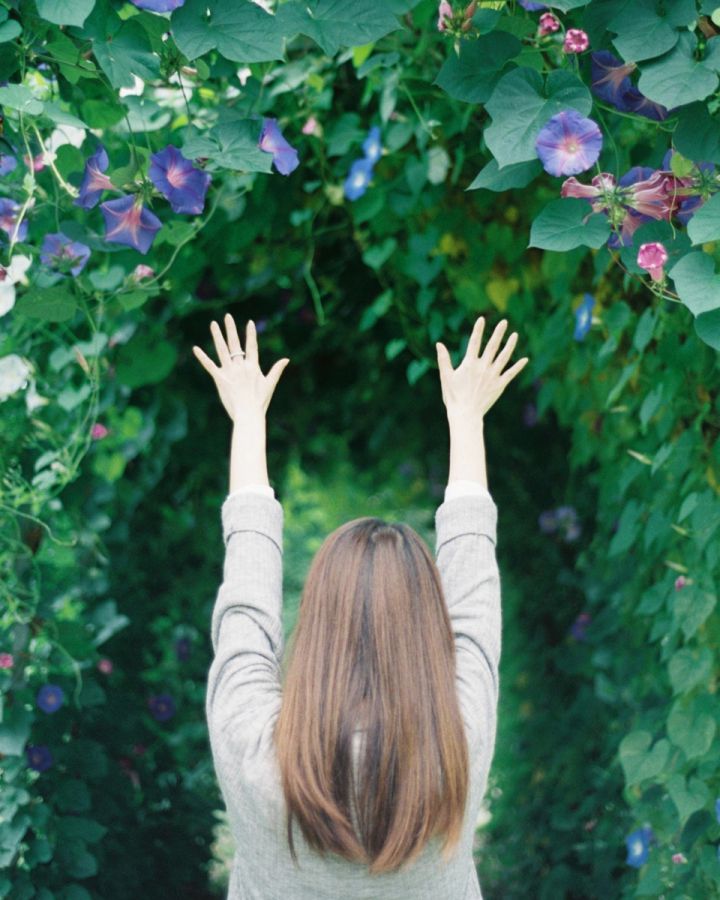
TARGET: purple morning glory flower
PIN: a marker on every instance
(39, 757)
(285, 157)
(717, 809)
(583, 317)
(162, 707)
(579, 626)
(50, 697)
(547, 521)
(638, 844)
(94, 182)
(182, 649)
(609, 76)
(158, 6)
(128, 222)
(8, 163)
(568, 143)
(633, 101)
(9, 211)
(530, 415)
(358, 178)
(58, 252)
(530, 6)
(372, 148)
(179, 180)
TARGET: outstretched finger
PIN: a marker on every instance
(494, 342)
(206, 362)
(513, 370)
(233, 337)
(506, 352)
(444, 361)
(251, 344)
(473, 347)
(273, 376)
(220, 345)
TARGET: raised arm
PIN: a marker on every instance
(243, 690)
(466, 531)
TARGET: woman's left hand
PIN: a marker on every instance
(242, 387)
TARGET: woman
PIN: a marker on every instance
(378, 738)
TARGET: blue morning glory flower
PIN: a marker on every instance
(285, 157)
(158, 6)
(9, 211)
(568, 143)
(717, 809)
(50, 697)
(59, 252)
(162, 707)
(638, 844)
(39, 757)
(94, 182)
(530, 6)
(128, 222)
(8, 163)
(179, 180)
(372, 148)
(583, 317)
(358, 178)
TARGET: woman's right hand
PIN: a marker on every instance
(472, 388)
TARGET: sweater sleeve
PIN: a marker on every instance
(466, 537)
(244, 683)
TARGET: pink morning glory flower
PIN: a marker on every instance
(445, 11)
(128, 222)
(576, 40)
(61, 253)
(6, 660)
(548, 23)
(99, 431)
(285, 157)
(652, 257)
(142, 271)
(568, 143)
(105, 665)
(94, 182)
(311, 126)
(179, 180)
(680, 582)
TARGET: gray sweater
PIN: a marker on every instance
(244, 695)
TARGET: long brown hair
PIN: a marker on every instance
(373, 647)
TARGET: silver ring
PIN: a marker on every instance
(239, 353)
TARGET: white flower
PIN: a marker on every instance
(9, 277)
(134, 91)
(33, 399)
(14, 372)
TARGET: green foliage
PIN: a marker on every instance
(112, 449)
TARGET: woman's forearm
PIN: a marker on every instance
(467, 450)
(248, 460)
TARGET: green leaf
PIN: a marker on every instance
(705, 223)
(697, 134)
(9, 31)
(240, 30)
(416, 369)
(72, 855)
(692, 607)
(121, 47)
(516, 175)
(692, 730)
(145, 360)
(232, 145)
(72, 795)
(55, 113)
(521, 104)
(79, 827)
(472, 75)
(688, 668)
(377, 256)
(643, 32)
(639, 764)
(65, 12)
(337, 23)
(678, 78)
(20, 97)
(51, 304)
(707, 328)
(696, 282)
(566, 223)
(15, 729)
(687, 798)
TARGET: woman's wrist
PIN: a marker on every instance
(467, 450)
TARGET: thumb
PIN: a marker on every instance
(444, 361)
(273, 376)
